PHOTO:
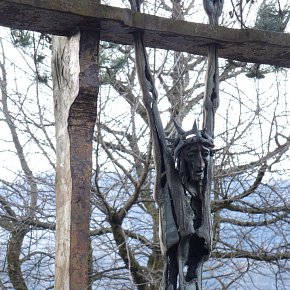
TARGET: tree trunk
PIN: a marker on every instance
(13, 259)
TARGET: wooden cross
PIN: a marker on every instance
(75, 74)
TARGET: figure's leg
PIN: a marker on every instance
(196, 256)
(182, 259)
(172, 268)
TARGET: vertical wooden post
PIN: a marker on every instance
(76, 86)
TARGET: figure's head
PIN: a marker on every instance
(195, 157)
(192, 150)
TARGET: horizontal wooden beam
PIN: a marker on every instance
(117, 25)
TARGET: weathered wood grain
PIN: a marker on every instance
(117, 25)
(76, 86)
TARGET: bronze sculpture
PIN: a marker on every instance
(183, 174)
(181, 207)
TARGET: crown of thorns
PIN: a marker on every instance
(199, 136)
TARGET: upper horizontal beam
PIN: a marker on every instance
(117, 25)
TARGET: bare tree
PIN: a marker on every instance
(27, 206)
(250, 197)
(248, 147)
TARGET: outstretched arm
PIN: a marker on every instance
(150, 98)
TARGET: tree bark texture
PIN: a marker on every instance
(76, 86)
(13, 258)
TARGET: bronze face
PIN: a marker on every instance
(196, 158)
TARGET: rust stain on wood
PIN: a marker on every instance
(76, 86)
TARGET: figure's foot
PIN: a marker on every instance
(191, 274)
(192, 285)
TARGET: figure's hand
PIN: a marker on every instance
(213, 9)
